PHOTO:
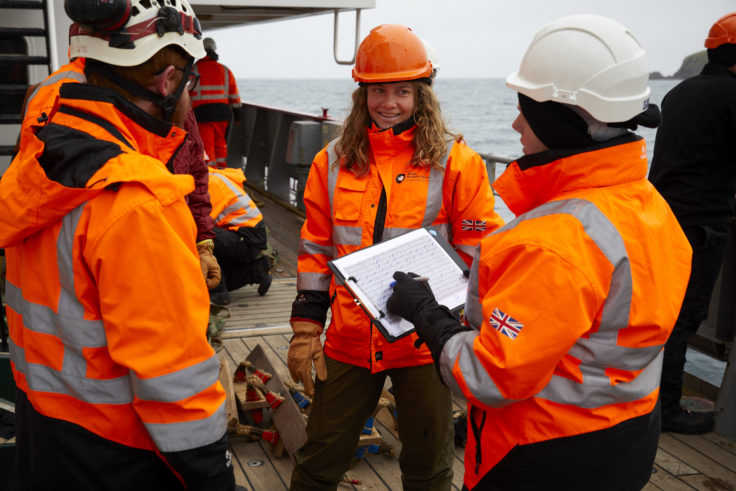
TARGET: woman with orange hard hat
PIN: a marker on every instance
(395, 168)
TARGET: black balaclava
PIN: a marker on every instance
(556, 125)
(724, 54)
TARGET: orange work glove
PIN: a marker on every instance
(208, 263)
(305, 349)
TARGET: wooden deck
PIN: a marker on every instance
(703, 462)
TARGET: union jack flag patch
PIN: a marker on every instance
(474, 225)
(505, 324)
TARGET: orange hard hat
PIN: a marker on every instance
(722, 32)
(391, 53)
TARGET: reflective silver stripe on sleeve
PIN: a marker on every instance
(346, 235)
(434, 191)
(186, 435)
(460, 348)
(313, 281)
(473, 306)
(309, 247)
(178, 385)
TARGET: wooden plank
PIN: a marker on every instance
(650, 487)
(722, 441)
(672, 465)
(263, 476)
(698, 460)
(709, 448)
(256, 331)
(665, 480)
(699, 481)
(369, 478)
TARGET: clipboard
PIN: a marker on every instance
(368, 273)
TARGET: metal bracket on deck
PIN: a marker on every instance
(357, 38)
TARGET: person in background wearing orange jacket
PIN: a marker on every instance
(216, 103)
(240, 236)
(395, 168)
(188, 160)
(570, 304)
(117, 385)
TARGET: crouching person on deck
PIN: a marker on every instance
(571, 303)
(395, 168)
(106, 304)
(240, 236)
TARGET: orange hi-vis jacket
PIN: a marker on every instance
(216, 94)
(572, 302)
(232, 208)
(106, 304)
(341, 213)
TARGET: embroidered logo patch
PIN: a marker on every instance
(505, 324)
(400, 178)
(474, 225)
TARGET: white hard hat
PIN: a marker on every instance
(139, 33)
(432, 55)
(588, 61)
(209, 44)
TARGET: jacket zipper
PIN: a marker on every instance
(378, 227)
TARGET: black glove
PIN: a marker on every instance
(409, 296)
(414, 301)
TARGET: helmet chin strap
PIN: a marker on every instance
(166, 103)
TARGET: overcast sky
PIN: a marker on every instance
(473, 38)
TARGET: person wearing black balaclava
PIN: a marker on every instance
(694, 168)
(570, 304)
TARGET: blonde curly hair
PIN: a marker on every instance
(430, 139)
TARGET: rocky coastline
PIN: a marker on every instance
(691, 66)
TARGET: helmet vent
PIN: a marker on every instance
(134, 11)
(146, 4)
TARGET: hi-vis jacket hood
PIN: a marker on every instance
(73, 168)
(572, 302)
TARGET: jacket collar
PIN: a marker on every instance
(388, 142)
(536, 179)
(141, 131)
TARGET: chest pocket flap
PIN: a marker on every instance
(349, 196)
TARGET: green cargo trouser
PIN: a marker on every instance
(344, 402)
